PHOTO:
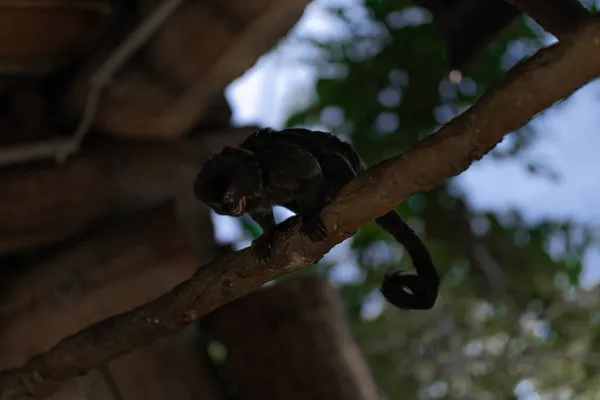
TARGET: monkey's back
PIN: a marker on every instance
(336, 157)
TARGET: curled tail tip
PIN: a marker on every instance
(408, 291)
(408, 302)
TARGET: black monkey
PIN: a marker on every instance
(303, 170)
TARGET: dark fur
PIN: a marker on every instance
(303, 170)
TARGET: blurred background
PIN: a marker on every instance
(515, 237)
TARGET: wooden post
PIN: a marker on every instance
(291, 341)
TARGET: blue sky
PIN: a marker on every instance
(567, 143)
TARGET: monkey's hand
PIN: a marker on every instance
(409, 291)
(262, 247)
(262, 250)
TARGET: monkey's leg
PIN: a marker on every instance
(262, 246)
(322, 190)
(309, 208)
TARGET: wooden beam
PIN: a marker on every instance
(44, 203)
(39, 36)
(171, 83)
(114, 270)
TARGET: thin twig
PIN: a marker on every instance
(31, 152)
(102, 77)
(61, 149)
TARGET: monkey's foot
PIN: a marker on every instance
(314, 228)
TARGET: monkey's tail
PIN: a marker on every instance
(424, 287)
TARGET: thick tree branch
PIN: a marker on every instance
(527, 89)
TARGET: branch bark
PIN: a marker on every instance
(527, 89)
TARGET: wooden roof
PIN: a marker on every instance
(141, 81)
(161, 66)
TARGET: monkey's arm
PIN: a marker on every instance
(265, 218)
(291, 178)
(405, 290)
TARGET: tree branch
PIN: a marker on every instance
(530, 87)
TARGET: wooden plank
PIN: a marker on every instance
(171, 83)
(38, 36)
(44, 203)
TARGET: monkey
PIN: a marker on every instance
(302, 170)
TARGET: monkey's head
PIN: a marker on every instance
(230, 182)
